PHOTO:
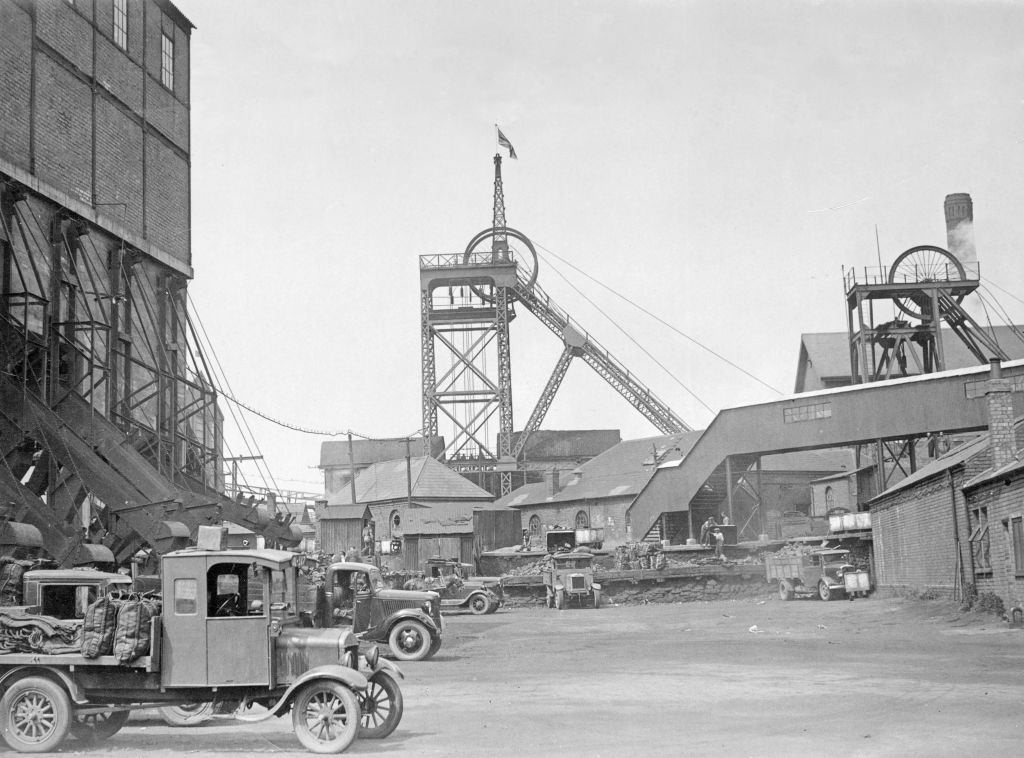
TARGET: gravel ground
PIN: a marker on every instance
(874, 677)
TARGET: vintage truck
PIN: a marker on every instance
(408, 621)
(825, 573)
(229, 632)
(458, 589)
(569, 578)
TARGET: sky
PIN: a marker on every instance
(719, 163)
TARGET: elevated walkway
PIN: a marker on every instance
(948, 401)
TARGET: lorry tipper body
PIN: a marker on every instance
(228, 631)
(825, 573)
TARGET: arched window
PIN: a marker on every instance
(582, 520)
(535, 524)
(396, 521)
(830, 498)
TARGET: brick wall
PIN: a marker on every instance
(15, 82)
(146, 167)
(119, 163)
(1004, 501)
(63, 129)
(608, 514)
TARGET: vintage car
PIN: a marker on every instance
(407, 621)
(569, 578)
(827, 574)
(458, 590)
(229, 633)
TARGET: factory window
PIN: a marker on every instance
(167, 61)
(582, 520)
(121, 24)
(811, 412)
(980, 547)
(1017, 536)
(534, 524)
(830, 498)
(185, 594)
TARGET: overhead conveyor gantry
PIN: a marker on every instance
(944, 402)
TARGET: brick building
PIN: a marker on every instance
(932, 531)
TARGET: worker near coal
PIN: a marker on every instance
(706, 528)
(719, 541)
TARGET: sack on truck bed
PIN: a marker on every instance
(131, 638)
(11, 573)
(98, 627)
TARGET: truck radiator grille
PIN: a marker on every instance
(577, 582)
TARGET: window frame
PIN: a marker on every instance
(120, 30)
(534, 524)
(167, 60)
(1017, 538)
(582, 520)
(981, 542)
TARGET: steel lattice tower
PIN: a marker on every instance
(466, 306)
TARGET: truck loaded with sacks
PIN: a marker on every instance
(225, 630)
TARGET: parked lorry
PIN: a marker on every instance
(569, 578)
(458, 589)
(408, 621)
(228, 632)
(826, 573)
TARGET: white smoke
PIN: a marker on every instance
(961, 244)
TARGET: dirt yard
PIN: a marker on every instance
(873, 677)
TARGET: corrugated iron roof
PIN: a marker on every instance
(388, 481)
(829, 352)
(546, 444)
(367, 452)
(359, 511)
(619, 471)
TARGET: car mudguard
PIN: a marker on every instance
(388, 667)
(336, 673)
(408, 613)
(50, 672)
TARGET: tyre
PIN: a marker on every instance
(380, 707)
(92, 728)
(824, 592)
(550, 599)
(35, 715)
(325, 717)
(559, 600)
(435, 645)
(188, 714)
(597, 599)
(409, 640)
(479, 604)
(785, 590)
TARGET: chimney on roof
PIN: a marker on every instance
(960, 230)
(1000, 416)
(554, 482)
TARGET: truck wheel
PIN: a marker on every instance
(409, 640)
(380, 707)
(479, 604)
(325, 717)
(559, 600)
(597, 599)
(785, 590)
(188, 714)
(823, 591)
(97, 727)
(35, 715)
(550, 599)
(435, 645)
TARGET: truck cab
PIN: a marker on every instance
(66, 593)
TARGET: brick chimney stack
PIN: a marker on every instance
(1000, 416)
(554, 480)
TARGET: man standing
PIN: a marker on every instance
(705, 529)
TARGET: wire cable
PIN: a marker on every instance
(660, 320)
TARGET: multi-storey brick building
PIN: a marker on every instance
(96, 347)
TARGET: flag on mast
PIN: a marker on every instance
(503, 142)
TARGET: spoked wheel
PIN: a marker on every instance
(188, 714)
(35, 715)
(479, 604)
(500, 246)
(409, 640)
(824, 592)
(924, 263)
(380, 707)
(97, 727)
(325, 717)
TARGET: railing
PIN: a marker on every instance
(910, 274)
(461, 260)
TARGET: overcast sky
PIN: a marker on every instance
(718, 162)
